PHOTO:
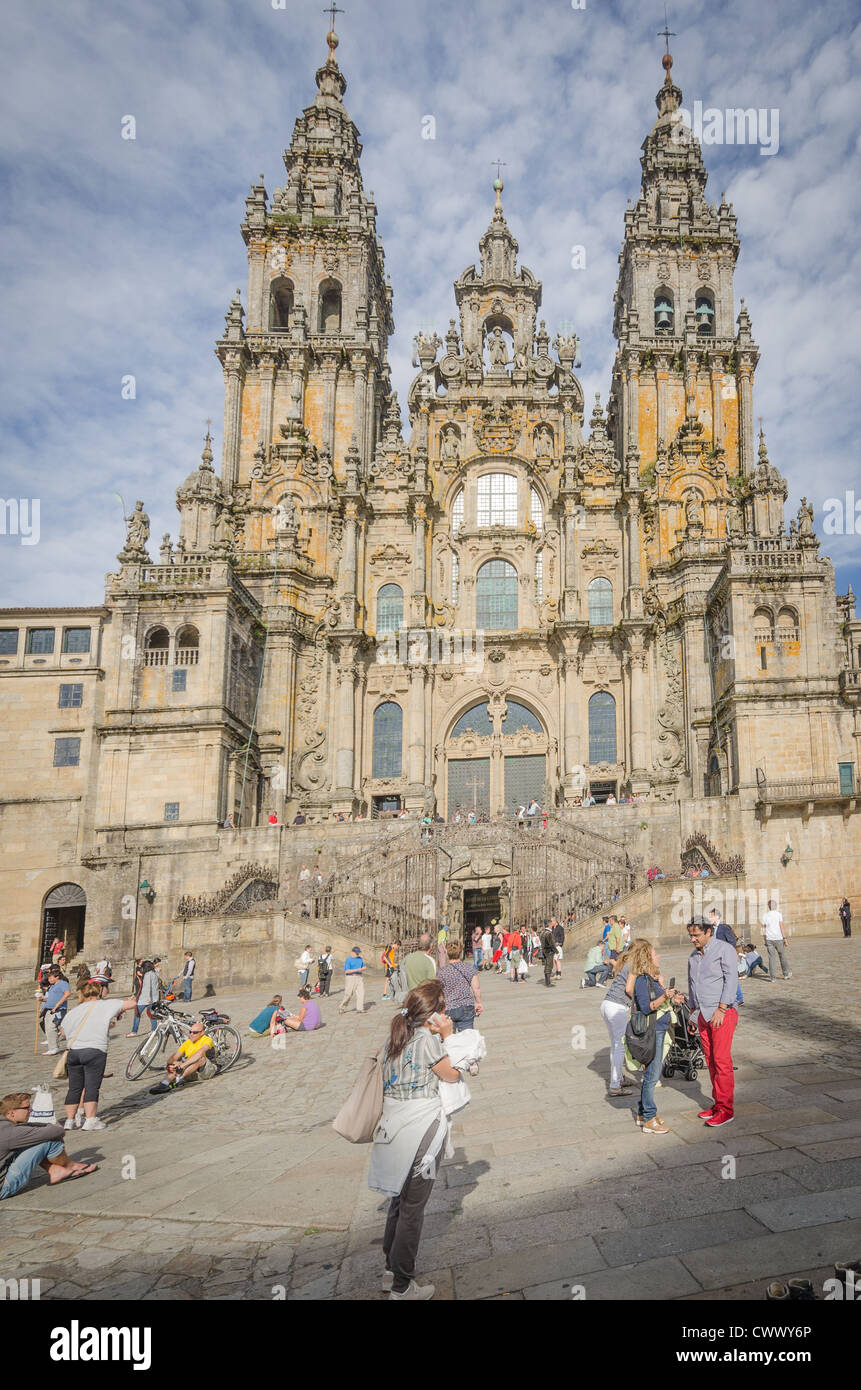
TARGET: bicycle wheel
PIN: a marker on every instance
(157, 1041)
(228, 1045)
(143, 1056)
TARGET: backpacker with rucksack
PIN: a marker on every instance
(399, 983)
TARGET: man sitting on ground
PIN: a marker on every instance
(596, 968)
(195, 1056)
(24, 1147)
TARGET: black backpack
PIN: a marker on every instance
(641, 1032)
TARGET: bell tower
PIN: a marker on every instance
(683, 373)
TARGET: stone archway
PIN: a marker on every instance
(64, 913)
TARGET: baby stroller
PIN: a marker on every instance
(685, 1052)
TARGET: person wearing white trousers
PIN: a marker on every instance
(615, 1011)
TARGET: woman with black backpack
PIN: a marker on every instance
(650, 997)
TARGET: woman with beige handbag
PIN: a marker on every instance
(87, 1028)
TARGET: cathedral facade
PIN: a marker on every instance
(519, 596)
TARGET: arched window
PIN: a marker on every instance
(762, 625)
(536, 511)
(280, 304)
(388, 740)
(600, 603)
(390, 608)
(787, 625)
(455, 578)
(457, 513)
(704, 311)
(329, 320)
(539, 576)
(476, 721)
(602, 728)
(156, 647)
(497, 500)
(518, 717)
(665, 314)
(496, 597)
(187, 647)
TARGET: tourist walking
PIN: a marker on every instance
(325, 970)
(548, 946)
(476, 948)
(25, 1147)
(615, 939)
(615, 1010)
(303, 965)
(412, 1134)
(559, 938)
(459, 980)
(846, 917)
(188, 976)
(87, 1028)
(419, 965)
(712, 984)
(354, 970)
(388, 960)
(775, 942)
(53, 1009)
(148, 994)
(486, 948)
(515, 956)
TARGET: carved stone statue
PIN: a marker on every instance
(543, 442)
(223, 535)
(805, 518)
(138, 532)
(449, 447)
(521, 362)
(287, 514)
(693, 510)
(498, 349)
(473, 360)
(166, 549)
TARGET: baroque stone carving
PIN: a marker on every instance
(258, 882)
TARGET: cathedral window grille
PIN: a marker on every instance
(171, 810)
(665, 314)
(602, 728)
(187, 647)
(518, 717)
(476, 721)
(76, 639)
(846, 773)
(40, 641)
(156, 651)
(388, 740)
(179, 682)
(9, 641)
(330, 307)
(71, 696)
(497, 500)
(457, 513)
(280, 305)
(390, 608)
(600, 603)
(67, 752)
(539, 575)
(496, 597)
(455, 578)
(536, 511)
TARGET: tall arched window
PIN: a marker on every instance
(455, 578)
(187, 647)
(496, 597)
(602, 728)
(280, 303)
(330, 307)
(476, 721)
(664, 311)
(390, 608)
(388, 740)
(536, 511)
(457, 513)
(497, 500)
(156, 647)
(600, 603)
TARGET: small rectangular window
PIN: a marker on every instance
(180, 679)
(71, 696)
(67, 752)
(8, 641)
(40, 641)
(763, 659)
(171, 810)
(847, 778)
(76, 639)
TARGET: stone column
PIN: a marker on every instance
(232, 424)
(639, 708)
(419, 562)
(344, 731)
(633, 381)
(571, 730)
(267, 384)
(416, 727)
(745, 417)
(330, 377)
(662, 367)
(359, 370)
(718, 369)
(570, 559)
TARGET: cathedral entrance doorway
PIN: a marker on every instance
(480, 909)
(63, 914)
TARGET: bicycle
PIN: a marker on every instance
(175, 1027)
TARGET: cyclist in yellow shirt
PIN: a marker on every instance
(192, 1056)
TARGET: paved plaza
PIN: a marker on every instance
(243, 1191)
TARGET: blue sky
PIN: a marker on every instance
(121, 256)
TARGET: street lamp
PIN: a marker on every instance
(786, 856)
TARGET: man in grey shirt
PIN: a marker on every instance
(24, 1147)
(712, 987)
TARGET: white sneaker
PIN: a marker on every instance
(79, 1119)
(70, 1124)
(583, 982)
(94, 1123)
(52, 1052)
(414, 1292)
